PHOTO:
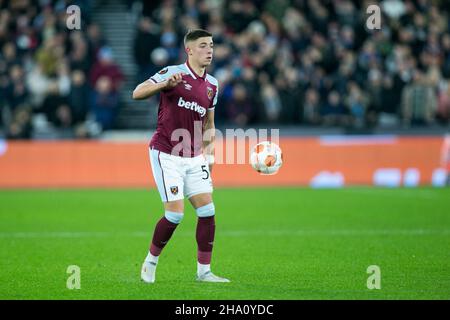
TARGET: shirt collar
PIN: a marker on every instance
(192, 72)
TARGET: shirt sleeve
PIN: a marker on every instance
(162, 75)
(215, 97)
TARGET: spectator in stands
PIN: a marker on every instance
(419, 101)
(9, 54)
(445, 45)
(160, 59)
(56, 107)
(48, 56)
(104, 101)
(106, 67)
(357, 103)
(311, 108)
(390, 100)
(290, 95)
(37, 82)
(240, 108)
(271, 102)
(3, 85)
(394, 9)
(15, 106)
(443, 109)
(169, 42)
(17, 93)
(385, 108)
(20, 126)
(78, 98)
(146, 40)
(79, 56)
(95, 40)
(334, 112)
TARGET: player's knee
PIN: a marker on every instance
(206, 210)
(174, 217)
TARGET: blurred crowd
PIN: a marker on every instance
(297, 62)
(312, 62)
(52, 77)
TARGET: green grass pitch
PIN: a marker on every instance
(273, 243)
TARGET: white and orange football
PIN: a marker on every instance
(266, 157)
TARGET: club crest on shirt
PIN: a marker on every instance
(174, 190)
(163, 71)
(209, 92)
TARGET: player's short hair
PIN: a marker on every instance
(194, 34)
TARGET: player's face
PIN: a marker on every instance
(201, 50)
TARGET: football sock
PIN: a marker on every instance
(205, 238)
(163, 231)
(152, 259)
(203, 268)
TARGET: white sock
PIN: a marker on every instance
(152, 258)
(203, 268)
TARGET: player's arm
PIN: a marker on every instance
(209, 138)
(148, 88)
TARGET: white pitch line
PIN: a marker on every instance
(341, 232)
(235, 233)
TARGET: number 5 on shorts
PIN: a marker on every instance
(205, 171)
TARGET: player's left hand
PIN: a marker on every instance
(174, 80)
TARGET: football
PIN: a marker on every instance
(266, 158)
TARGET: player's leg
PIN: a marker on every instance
(169, 181)
(198, 188)
(173, 214)
(204, 207)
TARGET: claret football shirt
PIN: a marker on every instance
(182, 111)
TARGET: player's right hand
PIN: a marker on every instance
(174, 80)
